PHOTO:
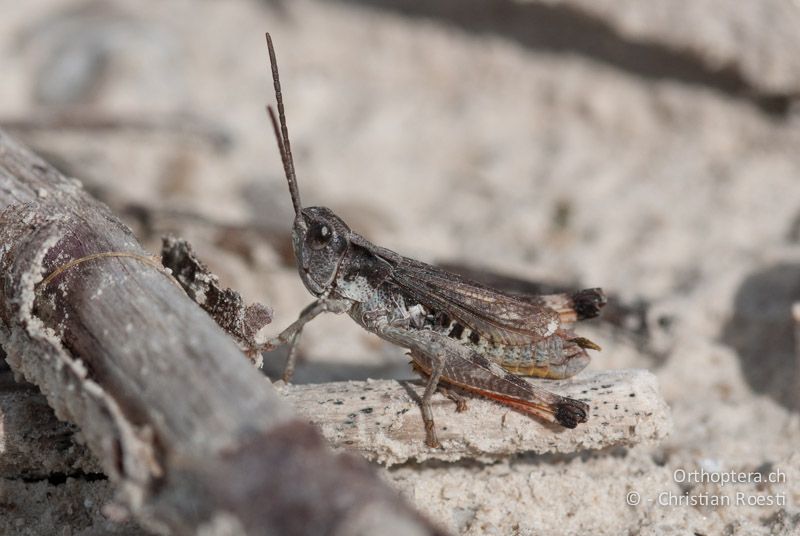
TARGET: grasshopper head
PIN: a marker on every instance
(319, 237)
(320, 240)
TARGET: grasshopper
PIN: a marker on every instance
(458, 332)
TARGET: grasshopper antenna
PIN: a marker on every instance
(282, 133)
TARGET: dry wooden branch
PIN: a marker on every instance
(87, 120)
(194, 438)
(381, 420)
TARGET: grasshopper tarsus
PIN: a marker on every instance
(460, 332)
(459, 400)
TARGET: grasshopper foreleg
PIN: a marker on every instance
(291, 335)
(291, 358)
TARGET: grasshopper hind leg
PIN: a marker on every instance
(459, 400)
(570, 413)
(443, 359)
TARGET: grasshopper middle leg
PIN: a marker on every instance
(437, 367)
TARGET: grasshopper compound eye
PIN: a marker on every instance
(319, 235)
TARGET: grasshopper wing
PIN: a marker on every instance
(501, 317)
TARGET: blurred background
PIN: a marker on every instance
(651, 148)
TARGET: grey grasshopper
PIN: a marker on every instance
(459, 333)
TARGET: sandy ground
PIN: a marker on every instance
(448, 138)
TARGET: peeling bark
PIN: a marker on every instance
(225, 306)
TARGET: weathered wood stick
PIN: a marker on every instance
(225, 305)
(193, 437)
(380, 418)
